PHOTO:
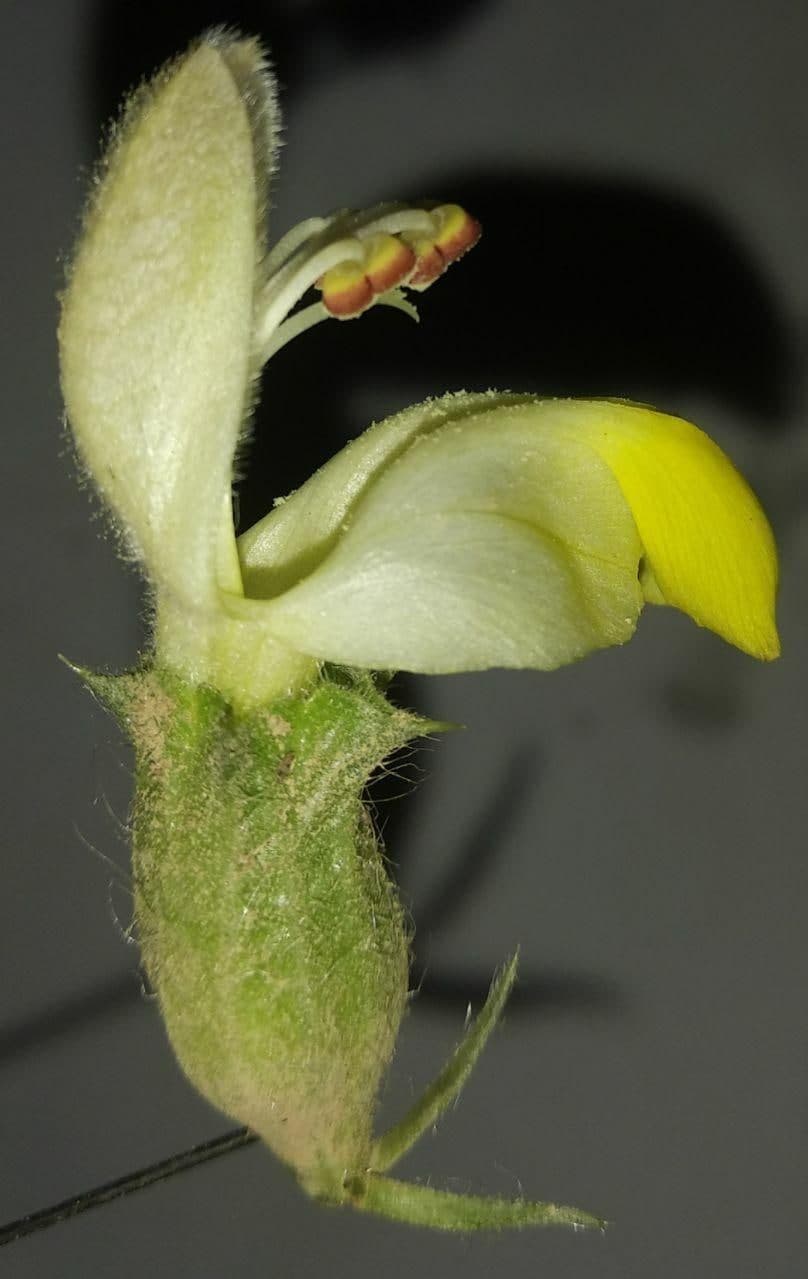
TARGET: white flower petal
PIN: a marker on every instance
(487, 539)
(492, 530)
(157, 324)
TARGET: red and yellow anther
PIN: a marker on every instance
(350, 287)
(456, 231)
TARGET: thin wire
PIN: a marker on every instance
(53, 1216)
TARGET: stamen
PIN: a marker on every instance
(296, 324)
(389, 261)
(351, 287)
(396, 219)
(396, 299)
(308, 316)
(346, 290)
(288, 244)
(456, 231)
(356, 259)
(288, 285)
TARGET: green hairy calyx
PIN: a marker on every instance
(270, 929)
(272, 934)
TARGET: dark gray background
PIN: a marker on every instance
(636, 822)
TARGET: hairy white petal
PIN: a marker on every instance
(467, 534)
(156, 331)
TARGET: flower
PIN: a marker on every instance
(468, 532)
(474, 530)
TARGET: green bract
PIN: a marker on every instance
(475, 530)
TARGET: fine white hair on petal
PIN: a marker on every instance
(156, 334)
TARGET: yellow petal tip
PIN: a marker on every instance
(767, 648)
(708, 546)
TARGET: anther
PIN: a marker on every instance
(356, 260)
(346, 290)
(389, 262)
(349, 288)
(456, 231)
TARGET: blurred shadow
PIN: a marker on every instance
(551, 993)
(705, 696)
(556, 992)
(465, 868)
(42, 1028)
(305, 38)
